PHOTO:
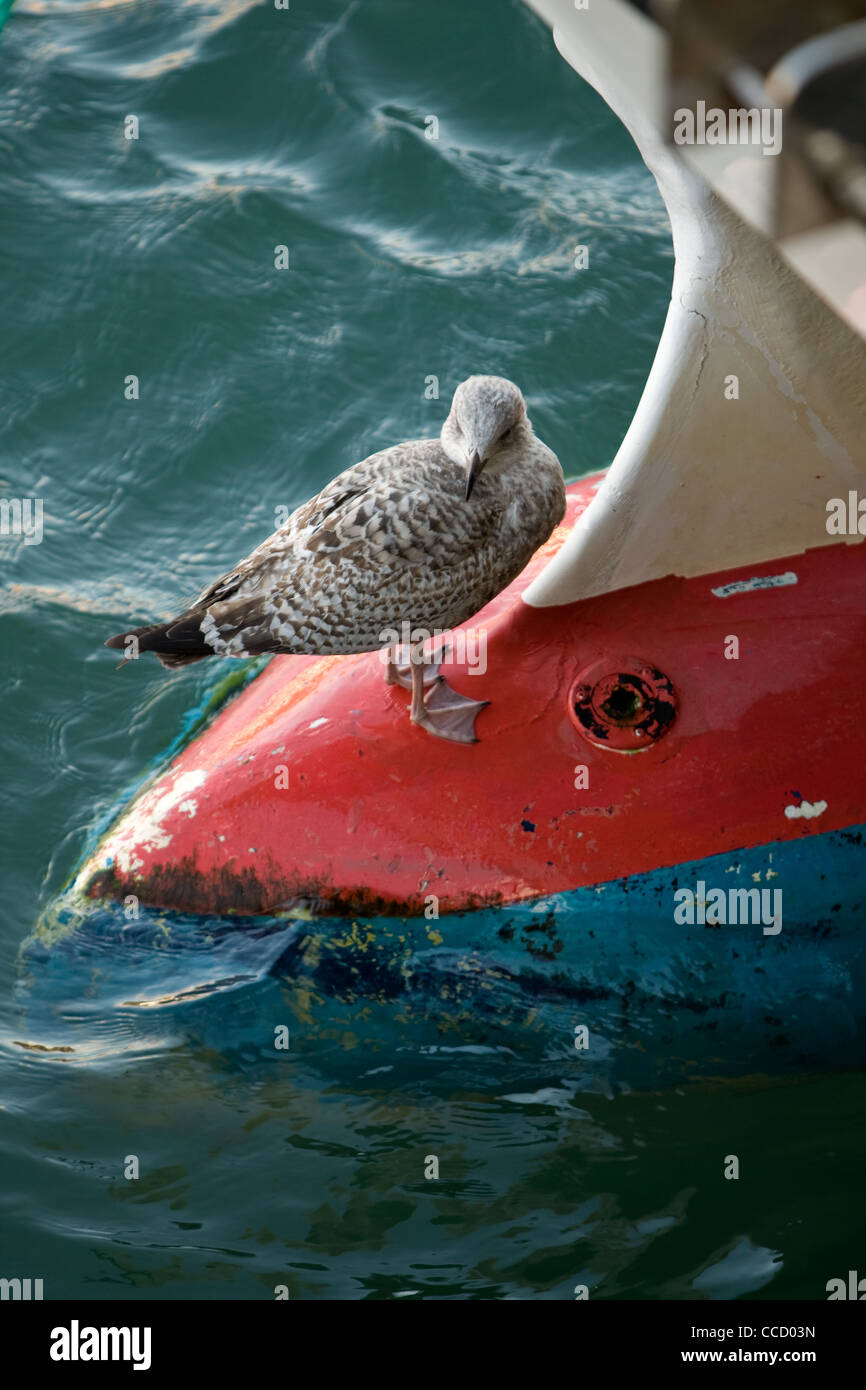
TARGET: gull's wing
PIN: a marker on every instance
(403, 506)
(378, 545)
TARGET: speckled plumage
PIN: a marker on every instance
(392, 540)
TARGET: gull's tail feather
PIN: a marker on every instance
(178, 642)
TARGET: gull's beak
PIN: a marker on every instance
(474, 467)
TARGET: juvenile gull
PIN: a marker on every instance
(423, 534)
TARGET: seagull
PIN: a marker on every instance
(416, 537)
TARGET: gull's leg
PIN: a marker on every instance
(397, 673)
(392, 670)
(442, 711)
(416, 709)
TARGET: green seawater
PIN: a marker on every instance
(409, 258)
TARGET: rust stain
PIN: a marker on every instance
(183, 887)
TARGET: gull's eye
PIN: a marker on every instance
(506, 435)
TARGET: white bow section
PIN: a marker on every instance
(701, 482)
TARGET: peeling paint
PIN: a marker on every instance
(142, 831)
(807, 809)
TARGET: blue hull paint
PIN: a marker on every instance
(661, 1000)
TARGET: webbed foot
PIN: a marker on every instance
(445, 713)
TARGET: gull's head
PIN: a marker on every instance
(486, 427)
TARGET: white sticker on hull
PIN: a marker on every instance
(762, 581)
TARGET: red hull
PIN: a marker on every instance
(378, 815)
